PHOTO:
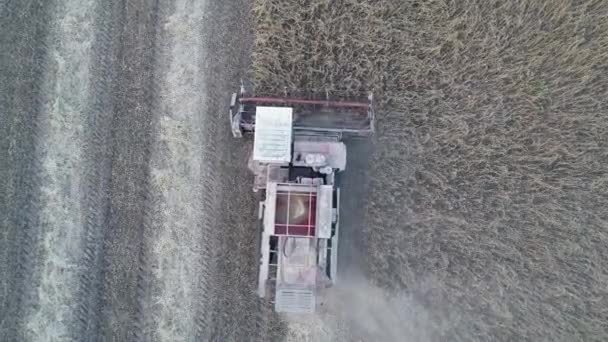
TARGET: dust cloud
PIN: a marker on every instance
(369, 313)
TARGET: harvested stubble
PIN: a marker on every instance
(490, 191)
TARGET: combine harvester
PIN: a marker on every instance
(297, 154)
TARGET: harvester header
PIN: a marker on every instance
(313, 113)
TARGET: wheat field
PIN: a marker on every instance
(489, 190)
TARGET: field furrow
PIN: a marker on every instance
(22, 64)
(134, 116)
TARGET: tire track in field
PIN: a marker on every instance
(134, 117)
(22, 62)
(96, 172)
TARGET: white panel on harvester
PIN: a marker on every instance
(272, 137)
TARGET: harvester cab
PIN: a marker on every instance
(297, 153)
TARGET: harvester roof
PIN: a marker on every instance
(272, 139)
